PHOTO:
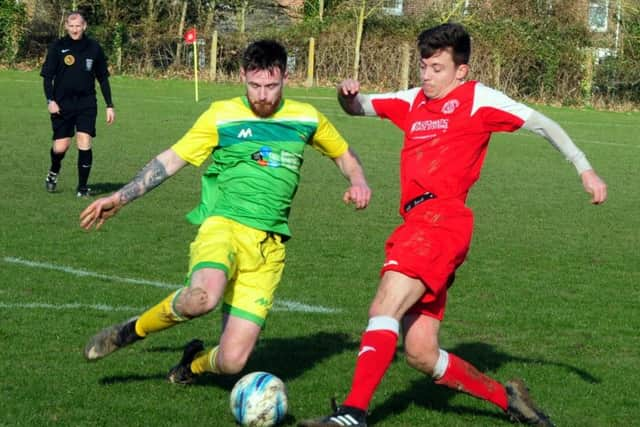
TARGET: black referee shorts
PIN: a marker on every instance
(68, 122)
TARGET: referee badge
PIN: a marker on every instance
(69, 59)
(88, 63)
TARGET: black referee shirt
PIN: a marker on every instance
(70, 70)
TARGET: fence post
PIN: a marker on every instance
(587, 80)
(180, 34)
(497, 71)
(359, 31)
(310, 62)
(214, 56)
(119, 59)
(404, 67)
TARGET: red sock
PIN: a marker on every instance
(462, 376)
(377, 349)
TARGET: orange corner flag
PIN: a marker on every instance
(190, 36)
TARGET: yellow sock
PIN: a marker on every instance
(160, 316)
(205, 361)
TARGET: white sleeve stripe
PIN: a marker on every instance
(487, 97)
(407, 96)
(367, 105)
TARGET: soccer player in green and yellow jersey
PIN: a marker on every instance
(256, 143)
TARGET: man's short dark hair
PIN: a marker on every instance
(75, 13)
(445, 36)
(265, 55)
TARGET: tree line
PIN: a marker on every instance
(539, 49)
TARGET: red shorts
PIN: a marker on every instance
(430, 245)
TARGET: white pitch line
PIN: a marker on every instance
(287, 305)
(48, 306)
(85, 273)
(279, 305)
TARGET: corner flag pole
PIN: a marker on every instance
(195, 65)
(191, 37)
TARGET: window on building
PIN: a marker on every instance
(602, 53)
(598, 15)
(392, 7)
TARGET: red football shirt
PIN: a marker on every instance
(445, 140)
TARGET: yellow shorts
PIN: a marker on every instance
(253, 261)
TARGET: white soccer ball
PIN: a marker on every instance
(259, 399)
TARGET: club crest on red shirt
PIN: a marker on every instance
(450, 106)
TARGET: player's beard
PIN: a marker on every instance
(264, 108)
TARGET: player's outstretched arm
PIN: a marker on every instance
(163, 166)
(553, 132)
(358, 192)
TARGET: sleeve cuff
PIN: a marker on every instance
(581, 163)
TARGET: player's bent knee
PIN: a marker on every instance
(232, 367)
(60, 146)
(422, 361)
(193, 302)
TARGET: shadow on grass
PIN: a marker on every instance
(100, 188)
(423, 392)
(118, 379)
(290, 357)
(285, 357)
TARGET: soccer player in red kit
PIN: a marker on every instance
(447, 124)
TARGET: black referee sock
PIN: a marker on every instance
(56, 161)
(85, 158)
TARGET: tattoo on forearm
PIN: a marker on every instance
(146, 180)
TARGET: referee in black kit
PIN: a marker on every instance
(73, 63)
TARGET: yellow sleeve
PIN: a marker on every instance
(327, 139)
(199, 141)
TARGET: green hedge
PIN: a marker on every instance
(522, 48)
(13, 18)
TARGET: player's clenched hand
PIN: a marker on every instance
(349, 87)
(358, 194)
(53, 107)
(99, 211)
(111, 115)
(595, 186)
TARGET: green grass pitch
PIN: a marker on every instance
(549, 291)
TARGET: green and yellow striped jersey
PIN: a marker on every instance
(256, 161)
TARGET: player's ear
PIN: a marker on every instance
(462, 71)
(243, 75)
